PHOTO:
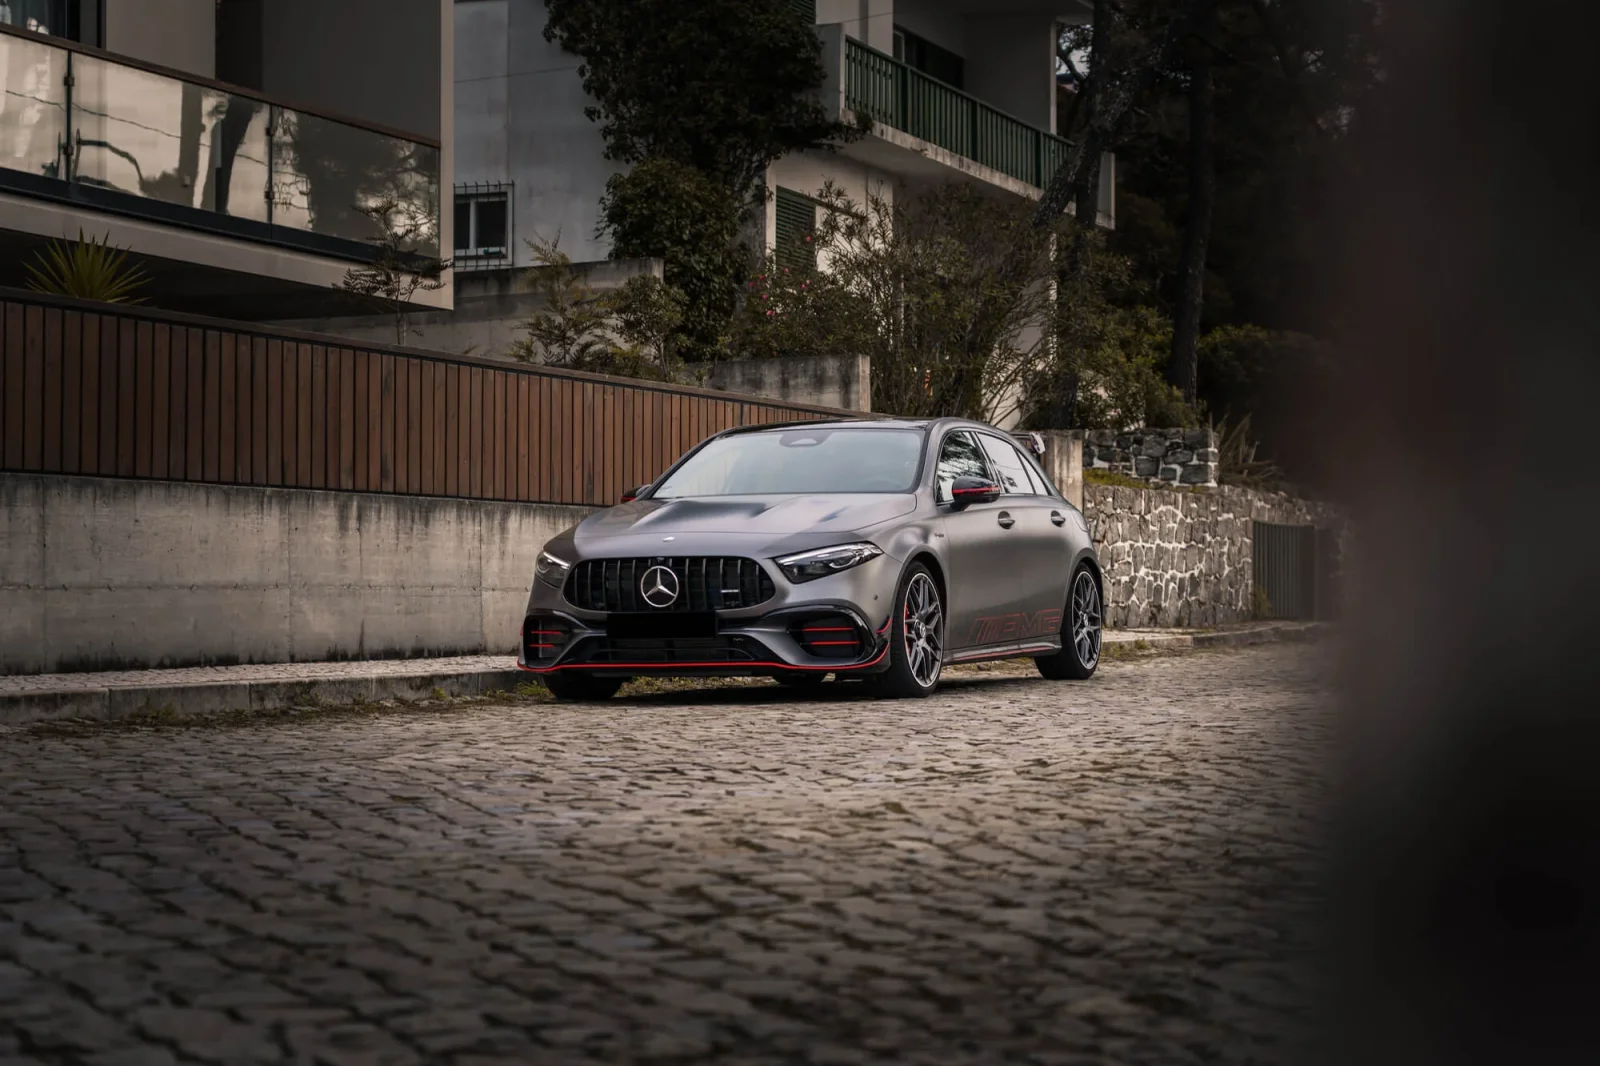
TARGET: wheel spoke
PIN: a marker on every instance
(923, 638)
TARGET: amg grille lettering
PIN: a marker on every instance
(1000, 629)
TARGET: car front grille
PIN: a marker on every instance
(705, 583)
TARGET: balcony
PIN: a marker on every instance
(924, 113)
(87, 129)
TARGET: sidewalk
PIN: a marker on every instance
(210, 689)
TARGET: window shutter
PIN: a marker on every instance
(807, 8)
(796, 220)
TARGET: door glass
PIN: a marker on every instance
(959, 457)
(1011, 467)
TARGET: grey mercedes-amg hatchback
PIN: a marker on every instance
(879, 549)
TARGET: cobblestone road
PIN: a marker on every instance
(1016, 871)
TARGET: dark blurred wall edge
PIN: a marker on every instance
(1464, 922)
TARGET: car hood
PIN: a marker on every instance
(771, 517)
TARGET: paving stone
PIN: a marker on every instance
(1121, 871)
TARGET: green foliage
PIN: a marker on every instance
(1093, 476)
(88, 270)
(399, 272)
(700, 99)
(912, 284)
(627, 333)
(789, 311)
(1278, 379)
(1236, 458)
(723, 86)
(1260, 603)
(670, 210)
(1105, 369)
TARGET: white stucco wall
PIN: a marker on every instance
(1011, 63)
(181, 34)
(384, 61)
(481, 90)
(871, 21)
(933, 22)
(806, 172)
(555, 154)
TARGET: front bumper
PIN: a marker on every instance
(834, 624)
(794, 640)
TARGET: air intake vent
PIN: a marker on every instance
(544, 637)
(700, 583)
(829, 636)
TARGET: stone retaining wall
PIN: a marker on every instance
(1160, 456)
(1184, 558)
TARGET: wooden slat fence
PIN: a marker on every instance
(91, 390)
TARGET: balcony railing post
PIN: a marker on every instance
(272, 141)
(66, 156)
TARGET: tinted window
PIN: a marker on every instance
(1011, 467)
(491, 224)
(779, 462)
(959, 457)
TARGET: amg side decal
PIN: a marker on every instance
(1008, 627)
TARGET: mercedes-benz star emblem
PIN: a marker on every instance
(659, 587)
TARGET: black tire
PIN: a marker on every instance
(806, 680)
(1081, 624)
(581, 688)
(915, 665)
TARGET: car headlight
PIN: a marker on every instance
(808, 566)
(552, 569)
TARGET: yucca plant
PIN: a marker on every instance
(1236, 454)
(88, 270)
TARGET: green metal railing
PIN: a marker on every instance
(897, 95)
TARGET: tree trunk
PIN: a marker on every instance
(1183, 366)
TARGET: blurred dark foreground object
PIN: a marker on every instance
(1465, 923)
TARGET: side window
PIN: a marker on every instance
(1010, 466)
(1036, 472)
(958, 457)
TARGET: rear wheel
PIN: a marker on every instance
(1080, 632)
(916, 641)
(581, 688)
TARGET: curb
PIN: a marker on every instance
(218, 697)
(1239, 638)
(193, 700)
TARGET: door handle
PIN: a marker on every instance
(1058, 518)
(1005, 520)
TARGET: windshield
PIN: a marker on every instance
(772, 463)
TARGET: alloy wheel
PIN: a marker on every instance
(924, 630)
(1086, 619)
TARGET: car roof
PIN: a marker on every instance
(864, 422)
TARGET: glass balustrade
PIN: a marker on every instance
(97, 123)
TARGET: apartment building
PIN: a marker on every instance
(958, 89)
(229, 145)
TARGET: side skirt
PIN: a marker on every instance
(1006, 651)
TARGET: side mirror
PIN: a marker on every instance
(970, 490)
(634, 494)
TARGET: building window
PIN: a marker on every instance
(483, 226)
(58, 18)
(806, 8)
(795, 243)
(921, 54)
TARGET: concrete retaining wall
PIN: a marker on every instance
(841, 381)
(491, 307)
(112, 574)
